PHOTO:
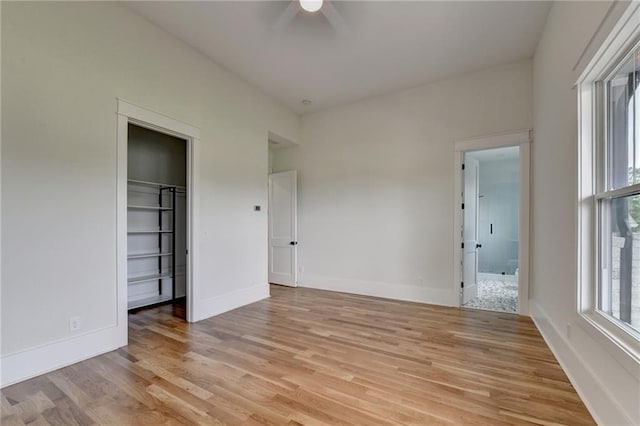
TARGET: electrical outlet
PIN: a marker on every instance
(301, 269)
(75, 323)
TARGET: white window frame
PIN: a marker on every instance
(618, 339)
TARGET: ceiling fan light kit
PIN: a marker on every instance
(325, 7)
(311, 5)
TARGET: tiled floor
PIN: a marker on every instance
(496, 293)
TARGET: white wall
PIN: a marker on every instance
(498, 205)
(64, 64)
(376, 198)
(609, 390)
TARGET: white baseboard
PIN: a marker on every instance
(595, 395)
(30, 363)
(410, 293)
(217, 305)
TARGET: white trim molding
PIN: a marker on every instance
(521, 139)
(33, 362)
(167, 124)
(494, 141)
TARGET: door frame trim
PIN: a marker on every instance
(130, 113)
(522, 139)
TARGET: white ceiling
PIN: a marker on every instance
(388, 46)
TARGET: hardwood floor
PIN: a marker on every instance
(311, 357)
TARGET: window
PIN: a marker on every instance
(618, 289)
(609, 191)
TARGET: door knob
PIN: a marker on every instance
(478, 245)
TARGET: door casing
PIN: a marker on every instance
(131, 113)
(522, 139)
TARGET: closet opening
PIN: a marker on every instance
(157, 221)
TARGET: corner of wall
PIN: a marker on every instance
(217, 305)
(598, 399)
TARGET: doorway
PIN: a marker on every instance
(491, 225)
(491, 228)
(128, 113)
(283, 228)
(156, 220)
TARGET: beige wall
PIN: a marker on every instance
(64, 64)
(609, 390)
(376, 200)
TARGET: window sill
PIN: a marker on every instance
(624, 347)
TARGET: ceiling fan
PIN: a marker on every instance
(311, 6)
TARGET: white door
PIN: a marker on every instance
(283, 230)
(470, 230)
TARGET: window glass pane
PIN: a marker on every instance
(636, 106)
(620, 290)
(623, 149)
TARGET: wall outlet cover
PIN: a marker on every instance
(75, 323)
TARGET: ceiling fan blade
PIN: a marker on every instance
(287, 16)
(334, 18)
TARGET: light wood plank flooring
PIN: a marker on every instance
(311, 357)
